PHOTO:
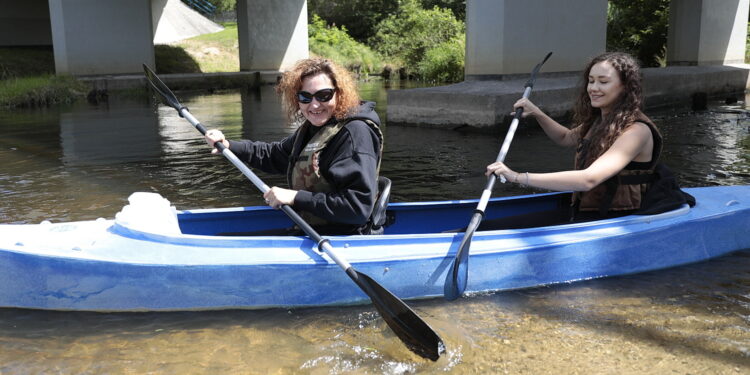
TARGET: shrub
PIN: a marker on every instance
(335, 44)
(444, 62)
(405, 37)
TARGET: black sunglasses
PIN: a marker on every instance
(322, 96)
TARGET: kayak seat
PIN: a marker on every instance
(379, 217)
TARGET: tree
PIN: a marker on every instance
(408, 34)
(359, 17)
(638, 27)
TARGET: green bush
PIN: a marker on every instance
(335, 44)
(405, 37)
(444, 62)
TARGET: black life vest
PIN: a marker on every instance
(643, 188)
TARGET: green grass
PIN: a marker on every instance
(208, 53)
(40, 91)
(226, 37)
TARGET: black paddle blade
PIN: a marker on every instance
(166, 94)
(410, 328)
(532, 77)
(455, 283)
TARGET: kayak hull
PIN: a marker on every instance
(109, 265)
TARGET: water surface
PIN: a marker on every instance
(81, 162)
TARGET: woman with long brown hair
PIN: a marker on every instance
(332, 159)
(617, 146)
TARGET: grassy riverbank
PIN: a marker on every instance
(209, 53)
(41, 91)
(27, 79)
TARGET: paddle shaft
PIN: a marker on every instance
(487, 192)
(455, 282)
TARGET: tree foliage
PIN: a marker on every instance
(408, 34)
(444, 62)
(638, 27)
(458, 7)
(336, 44)
(224, 5)
(359, 17)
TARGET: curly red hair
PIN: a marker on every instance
(347, 97)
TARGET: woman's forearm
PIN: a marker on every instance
(558, 181)
(554, 130)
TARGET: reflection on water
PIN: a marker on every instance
(81, 162)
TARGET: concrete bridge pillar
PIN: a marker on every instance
(707, 32)
(507, 37)
(272, 34)
(101, 37)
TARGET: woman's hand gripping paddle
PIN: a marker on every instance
(455, 282)
(405, 323)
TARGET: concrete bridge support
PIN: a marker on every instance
(272, 34)
(101, 37)
(94, 37)
(707, 32)
(507, 37)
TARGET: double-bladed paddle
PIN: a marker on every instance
(405, 323)
(455, 282)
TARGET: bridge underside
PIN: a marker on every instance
(504, 39)
(94, 37)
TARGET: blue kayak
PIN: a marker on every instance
(152, 257)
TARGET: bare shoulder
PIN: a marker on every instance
(638, 129)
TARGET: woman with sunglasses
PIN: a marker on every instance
(332, 160)
(617, 170)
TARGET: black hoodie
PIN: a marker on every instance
(349, 163)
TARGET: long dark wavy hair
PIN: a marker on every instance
(347, 97)
(624, 112)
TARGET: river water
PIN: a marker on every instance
(81, 162)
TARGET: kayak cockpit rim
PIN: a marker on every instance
(199, 240)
